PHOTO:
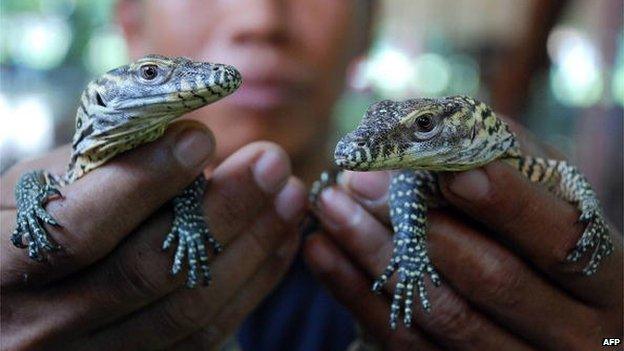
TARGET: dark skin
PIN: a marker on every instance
(501, 251)
(112, 279)
(111, 289)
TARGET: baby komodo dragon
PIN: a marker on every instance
(420, 137)
(126, 107)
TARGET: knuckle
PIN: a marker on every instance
(498, 281)
(133, 281)
(175, 319)
(231, 204)
(511, 197)
(269, 231)
(455, 322)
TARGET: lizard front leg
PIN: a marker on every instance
(191, 232)
(569, 184)
(409, 192)
(574, 187)
(32, 192)
(326, 180)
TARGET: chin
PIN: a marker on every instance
(234, 127)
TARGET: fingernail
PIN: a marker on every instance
(290, 201)
(370, 185)
(271, 172)
(338, 208)
(470, 185)
(193, 147)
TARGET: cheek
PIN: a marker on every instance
(328, 31)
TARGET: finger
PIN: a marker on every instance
(243, 186)
(228, 319)
(137, 273)
(543, 228)
(370, 189)
(452, 320)
(55, 162)
(502, 285)
(98, 210)
(186, 310)
(352, 288)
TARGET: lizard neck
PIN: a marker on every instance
(82, 163)
(513, 156)
(94, 145)
(489, 138)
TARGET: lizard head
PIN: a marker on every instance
(451, 133)
(134, 103)
(155, 88)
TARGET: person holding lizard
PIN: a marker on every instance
(109, 289)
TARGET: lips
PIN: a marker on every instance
(262, 94)
(271, 79)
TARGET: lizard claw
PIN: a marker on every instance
(411, 264)
(31, 194)
(191, 232)
(597, 236)
(327, 179)
(53, 191)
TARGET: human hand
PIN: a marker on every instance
(506, 284)
(110, 286)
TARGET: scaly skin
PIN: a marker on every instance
(420, 137)
(124, 108)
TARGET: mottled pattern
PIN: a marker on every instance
(191, 233)
(409, 194)
(120, 110)
(422, 136)
(124, 108)
(31, 195)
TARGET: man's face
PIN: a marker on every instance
(292, 55)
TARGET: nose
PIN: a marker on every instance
(260, 22)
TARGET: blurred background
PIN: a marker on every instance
(556, 66)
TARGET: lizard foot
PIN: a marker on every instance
(411, 263)
(31, 194)
(191, 232)
(596, 235)
(327, 179)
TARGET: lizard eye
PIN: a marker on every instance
(361, 143)
(425, 122)
(149, 71)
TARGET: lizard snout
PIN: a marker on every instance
(351, 154)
